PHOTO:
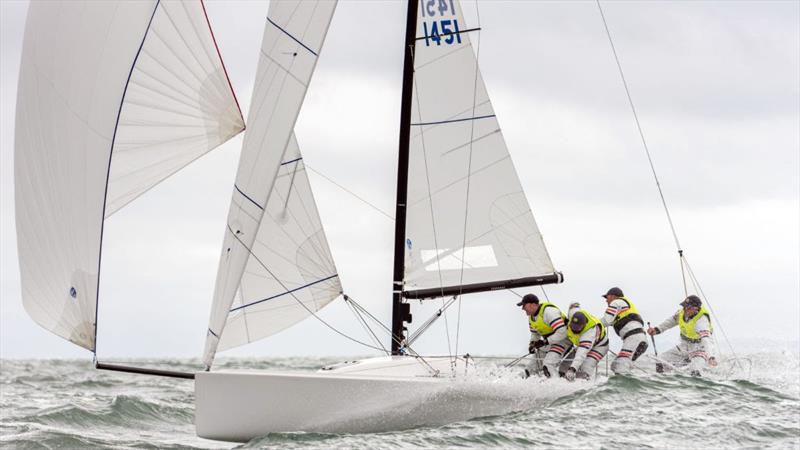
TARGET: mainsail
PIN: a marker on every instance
(113, 97)
(275, 267)
(468, 220)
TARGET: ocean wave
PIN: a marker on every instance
(122, 410)
(68, 404)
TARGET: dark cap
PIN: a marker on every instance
(613, 291)
(529, 298)
(578, 321)
(692, 300)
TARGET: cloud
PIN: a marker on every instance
(715, 85)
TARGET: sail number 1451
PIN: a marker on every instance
(443, 30)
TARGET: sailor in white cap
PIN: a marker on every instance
(695, 348)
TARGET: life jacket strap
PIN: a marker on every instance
(633, 332)
(624, 321)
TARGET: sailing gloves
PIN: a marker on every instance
(536, 345)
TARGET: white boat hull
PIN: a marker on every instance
(358, 398)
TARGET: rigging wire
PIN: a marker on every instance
(639, 128)
(696, 282)
(406, 345)
(469, 166)
(309, 310)
(425, 325)
(682, 257)
(366, 326)
(362, 199)
(433, 215)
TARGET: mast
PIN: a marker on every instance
(400, 310)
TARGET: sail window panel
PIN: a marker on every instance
(463, 192)
(178, 105)
(76, 58)
(447, 259)
(293, 35)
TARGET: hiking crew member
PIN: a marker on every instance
(695, 348)
(622, 314)
(548, 335)
(590, 339)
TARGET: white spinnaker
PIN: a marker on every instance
(77, 59)
(290, 262)
(293, 36)
(460, 168)
(179, 104)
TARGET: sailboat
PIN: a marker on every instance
(128, 93)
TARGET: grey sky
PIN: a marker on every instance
(717, 87)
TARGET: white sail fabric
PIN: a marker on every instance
(77, 59)
(179, 104)
(468, 220)
(291, 262)
(293, 36)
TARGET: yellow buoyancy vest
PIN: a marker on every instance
(575, 338)
(537, 323)
(631, 310)
(688, 327)
(626, 316)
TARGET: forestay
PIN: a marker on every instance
(468, 220)
(75, 105)
(273, 235)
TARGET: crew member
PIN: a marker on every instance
(622, 314)
(588, 335)
(548, 335)
(695, 348)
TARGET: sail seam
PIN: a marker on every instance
(285, 293)
(108, 171)
(293, 38)
(452, 120)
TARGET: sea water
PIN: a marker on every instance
(68, 404)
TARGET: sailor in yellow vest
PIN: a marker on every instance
(588, 335)
(695, 348)
(548, 335)
(622, 314)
